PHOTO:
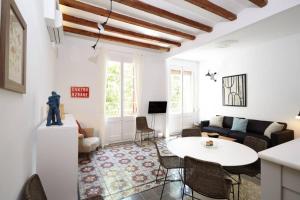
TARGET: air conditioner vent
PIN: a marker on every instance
(53, 19)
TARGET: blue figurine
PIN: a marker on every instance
(54, 113)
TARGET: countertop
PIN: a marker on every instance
(286, 154)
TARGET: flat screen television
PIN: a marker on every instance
(157, 107)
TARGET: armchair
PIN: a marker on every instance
(87, 142)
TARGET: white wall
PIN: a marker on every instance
(21, 114)
(75, 69)
(273, 82)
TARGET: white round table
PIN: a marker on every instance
(226, 153)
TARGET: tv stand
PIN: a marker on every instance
(154, 108)
(153, 124)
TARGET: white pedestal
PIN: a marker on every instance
(57, 159)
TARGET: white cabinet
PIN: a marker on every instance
(280, 172)
(57, 159)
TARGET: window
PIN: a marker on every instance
(130, 104)
(176, 91)
(181, 91)
(113, 89)
(187, 91)
(120, 89)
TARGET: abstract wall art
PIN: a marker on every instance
(235, 90)
(12, 48)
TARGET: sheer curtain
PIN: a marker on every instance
(138, 63)
(100, 59)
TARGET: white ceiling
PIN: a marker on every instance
(277, 26)
(179, 7)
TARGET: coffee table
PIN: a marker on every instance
(205, 134)
(225, 152)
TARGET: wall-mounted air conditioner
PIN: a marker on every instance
(54, 21)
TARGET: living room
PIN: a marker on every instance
(136, 98)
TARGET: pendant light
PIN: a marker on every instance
(101, 26)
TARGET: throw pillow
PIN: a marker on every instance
(81, 130)
(239, 124)
(274, 127)
(216, 121)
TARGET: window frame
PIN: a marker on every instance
(182, 70)
(122, 59)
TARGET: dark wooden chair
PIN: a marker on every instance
(191, 132)
(206, 178)
(253, 169)
(142, 129)
(167, 162)
(34, 189)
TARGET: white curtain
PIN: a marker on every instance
(138, 63)
(100, 59)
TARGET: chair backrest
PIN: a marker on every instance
(257, 145)
(206, 178)
(191, 132)
(34, 189)
(141, 123)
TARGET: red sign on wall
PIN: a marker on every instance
(80, 92)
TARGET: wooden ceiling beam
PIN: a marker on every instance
(112, 29)
(260, 3)
(165, 14)
(213, 8)
(114, 39)
(123, 18)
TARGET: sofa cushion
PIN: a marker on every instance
(238, 135)
(227, 122)
(216, 121)
(81, 130)
(257, 126)
(261, 137)
(239, 125)
(211, 129)
(274, 127)
(87, 145)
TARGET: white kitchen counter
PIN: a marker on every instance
(280, 172)
(287, 154)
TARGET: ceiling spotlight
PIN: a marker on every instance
(101, 26)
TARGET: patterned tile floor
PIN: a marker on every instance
(128, 171)
(119, 171)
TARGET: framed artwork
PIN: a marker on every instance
(12, 48)
(235, 90)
